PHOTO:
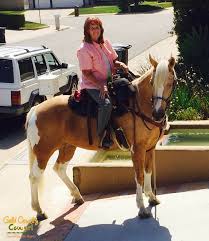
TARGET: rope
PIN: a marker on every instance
(155, 183)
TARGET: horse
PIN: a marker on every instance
(52, 126)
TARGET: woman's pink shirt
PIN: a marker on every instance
(90, 57)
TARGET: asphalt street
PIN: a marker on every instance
(139, 30)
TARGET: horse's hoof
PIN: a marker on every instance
(154, 202)
(79, 201)
(144, 214)
(41, 217)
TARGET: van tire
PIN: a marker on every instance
(37, 101)
(74, 85)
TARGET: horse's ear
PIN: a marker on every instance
(153, 62)
(171, 62)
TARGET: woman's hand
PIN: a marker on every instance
(103, 91)
(124, 67)
(121, 65)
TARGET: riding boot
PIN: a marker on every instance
(106, 139)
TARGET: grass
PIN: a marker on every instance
(12, 12)
(99, 9)
(144, 7)
(156, 4)
(28, 25)
(33, 26)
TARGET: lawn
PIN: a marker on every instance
(33, 26)
(99, 9)
(156, 4)
(145, 6)
(12, 12)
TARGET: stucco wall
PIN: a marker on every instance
(12, 4)
(57, 3)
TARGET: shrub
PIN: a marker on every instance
(191, 26)
(188, 114)
(189, 103)
(124, 4)
(12, 21)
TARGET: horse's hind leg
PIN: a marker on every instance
(66, 152)
(150, 158)
(34, 176)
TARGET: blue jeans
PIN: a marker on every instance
(104, 110)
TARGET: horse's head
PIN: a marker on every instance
(163, 82)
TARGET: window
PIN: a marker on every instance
(53, 63)
(26, 69)
(40, 64)
(6, 71)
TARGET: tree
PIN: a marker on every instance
(192, 29)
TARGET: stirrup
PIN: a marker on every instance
(106, 141)
(121, 138)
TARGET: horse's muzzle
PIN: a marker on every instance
(158, 115)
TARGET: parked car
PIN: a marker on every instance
(22, 69)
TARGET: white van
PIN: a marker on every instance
(22, 69)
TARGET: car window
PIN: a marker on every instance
(40, 64)
(26, 69)
(53, 63)
(6, 71)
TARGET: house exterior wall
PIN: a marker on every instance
(12, 4)
(55, 3)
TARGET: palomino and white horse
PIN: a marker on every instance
(52, 126)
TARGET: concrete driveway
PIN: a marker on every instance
(47, 15)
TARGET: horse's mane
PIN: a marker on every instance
(142, 78)
(160, 75)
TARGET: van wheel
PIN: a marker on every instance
(73, 87)
(37, 101)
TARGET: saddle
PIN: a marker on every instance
(121, 92)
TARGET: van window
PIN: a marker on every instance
(6, 71)
(40, 64)
(53, 63)
(26, 69)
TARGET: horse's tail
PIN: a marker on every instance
(31, 154)
(28, 117)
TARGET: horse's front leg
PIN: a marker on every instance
(149, 160)
(138, 158)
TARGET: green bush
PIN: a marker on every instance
(191, 26)
(189, 103)
(124, 4)
(188, 114)
(12, 21)
(195, 51)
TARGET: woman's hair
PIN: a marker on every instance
(88, 22)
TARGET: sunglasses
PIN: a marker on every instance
(94, 28)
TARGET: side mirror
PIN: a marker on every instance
(64, 66)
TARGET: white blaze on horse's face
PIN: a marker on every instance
(163, 80)
(160, 78)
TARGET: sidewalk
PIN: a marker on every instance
(162, 50)
(46, 14)
(47, 17)
(13, 36)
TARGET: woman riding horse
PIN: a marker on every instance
(98, 60)
(53, 125)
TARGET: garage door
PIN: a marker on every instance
(42, 3)
(66, 3)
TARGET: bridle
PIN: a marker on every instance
(168, 99)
